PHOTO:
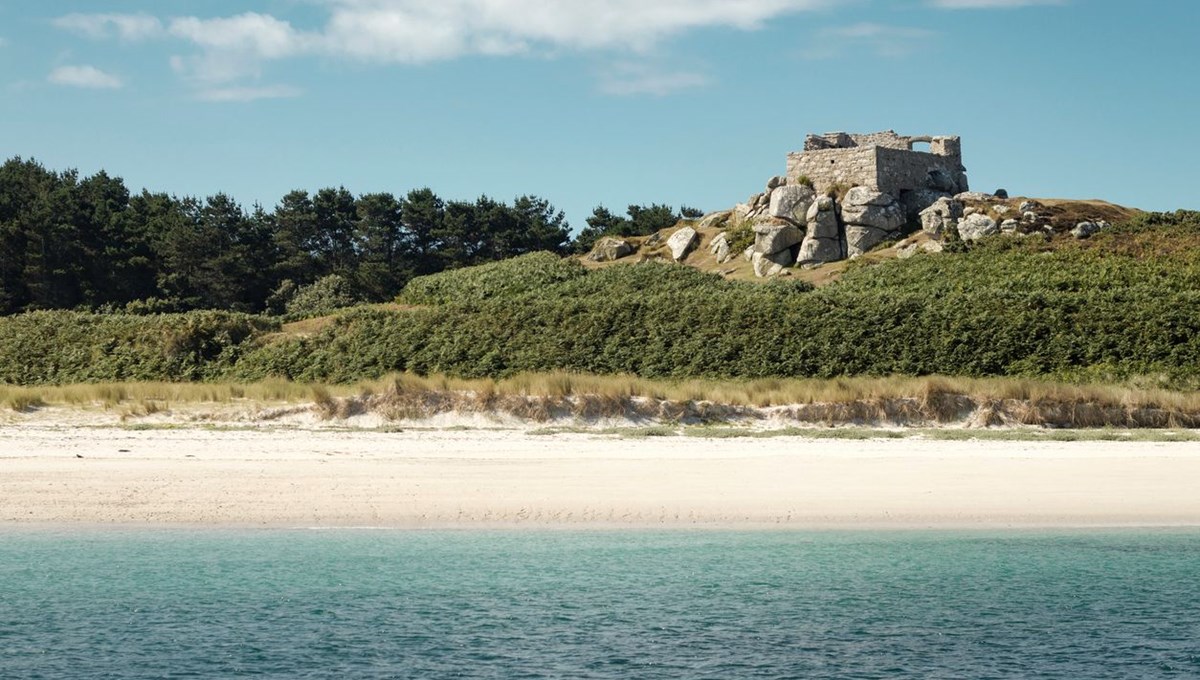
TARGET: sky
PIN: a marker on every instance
(598, 102)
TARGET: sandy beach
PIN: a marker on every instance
(475, 478)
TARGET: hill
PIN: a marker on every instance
(1116, 307)
(1057, 217)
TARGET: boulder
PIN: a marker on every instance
(977, 226)
(681, 242)
(720, 248)
(866, 196)
(822, 219)
(883, 217)
(742, 210)
(771, 264)
(772, 237)
(609, 248)
(819, 251)
(714, 220)
(1029, 216)
(943, 214)
(1088, 229)
(1001, 193)
(775, 182)
(748, 254)
(1027, 206)
(1009, 226)
(972, 196)
(860, 239)
(791, 203)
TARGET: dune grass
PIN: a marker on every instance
(162, 394)
(760, 393)
(545, 396)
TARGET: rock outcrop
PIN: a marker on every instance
(771, 264)
(791, 202)
(870, 217)
(941, 216)
(823, 239)
(681, 243)
(609, 248)
(720, 248)
(975, 226)
(847, 194)
(1088, 229)
(774, 237)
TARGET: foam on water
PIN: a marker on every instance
(609, 604)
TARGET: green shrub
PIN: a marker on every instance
(740, 238)
(1116, 307)
(1008, 307)
(76, 347)
(507, 278)
(320, 297)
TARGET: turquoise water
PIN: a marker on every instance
(403, 604)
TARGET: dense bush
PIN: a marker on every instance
(69, 347)
(322, 296)
(1118, 306)
(517, 276)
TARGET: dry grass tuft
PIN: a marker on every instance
(541, 397)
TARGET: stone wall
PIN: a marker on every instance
(883, 161)
(898, 171)
(856, 166)
(844, 140)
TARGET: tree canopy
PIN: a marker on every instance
(68, 242)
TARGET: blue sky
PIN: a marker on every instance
(603, 102)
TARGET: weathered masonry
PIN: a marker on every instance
(882, 161)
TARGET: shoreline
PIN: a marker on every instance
(64, 476)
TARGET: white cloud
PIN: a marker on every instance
(248, 94)
(414, 31)
(259, 34)
(882, 39)
(84, 76)
(128, 27)
(625, 79)
(990, 4)
(230, 51)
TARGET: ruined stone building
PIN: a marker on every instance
(882, 161)
(843, 195)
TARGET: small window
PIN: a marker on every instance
(922, 146)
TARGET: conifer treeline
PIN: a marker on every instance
(69, 242)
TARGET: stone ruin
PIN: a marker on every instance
(882, 161)
(844, 194)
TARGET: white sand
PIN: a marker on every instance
(297, 477)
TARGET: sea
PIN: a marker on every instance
(382, 603)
